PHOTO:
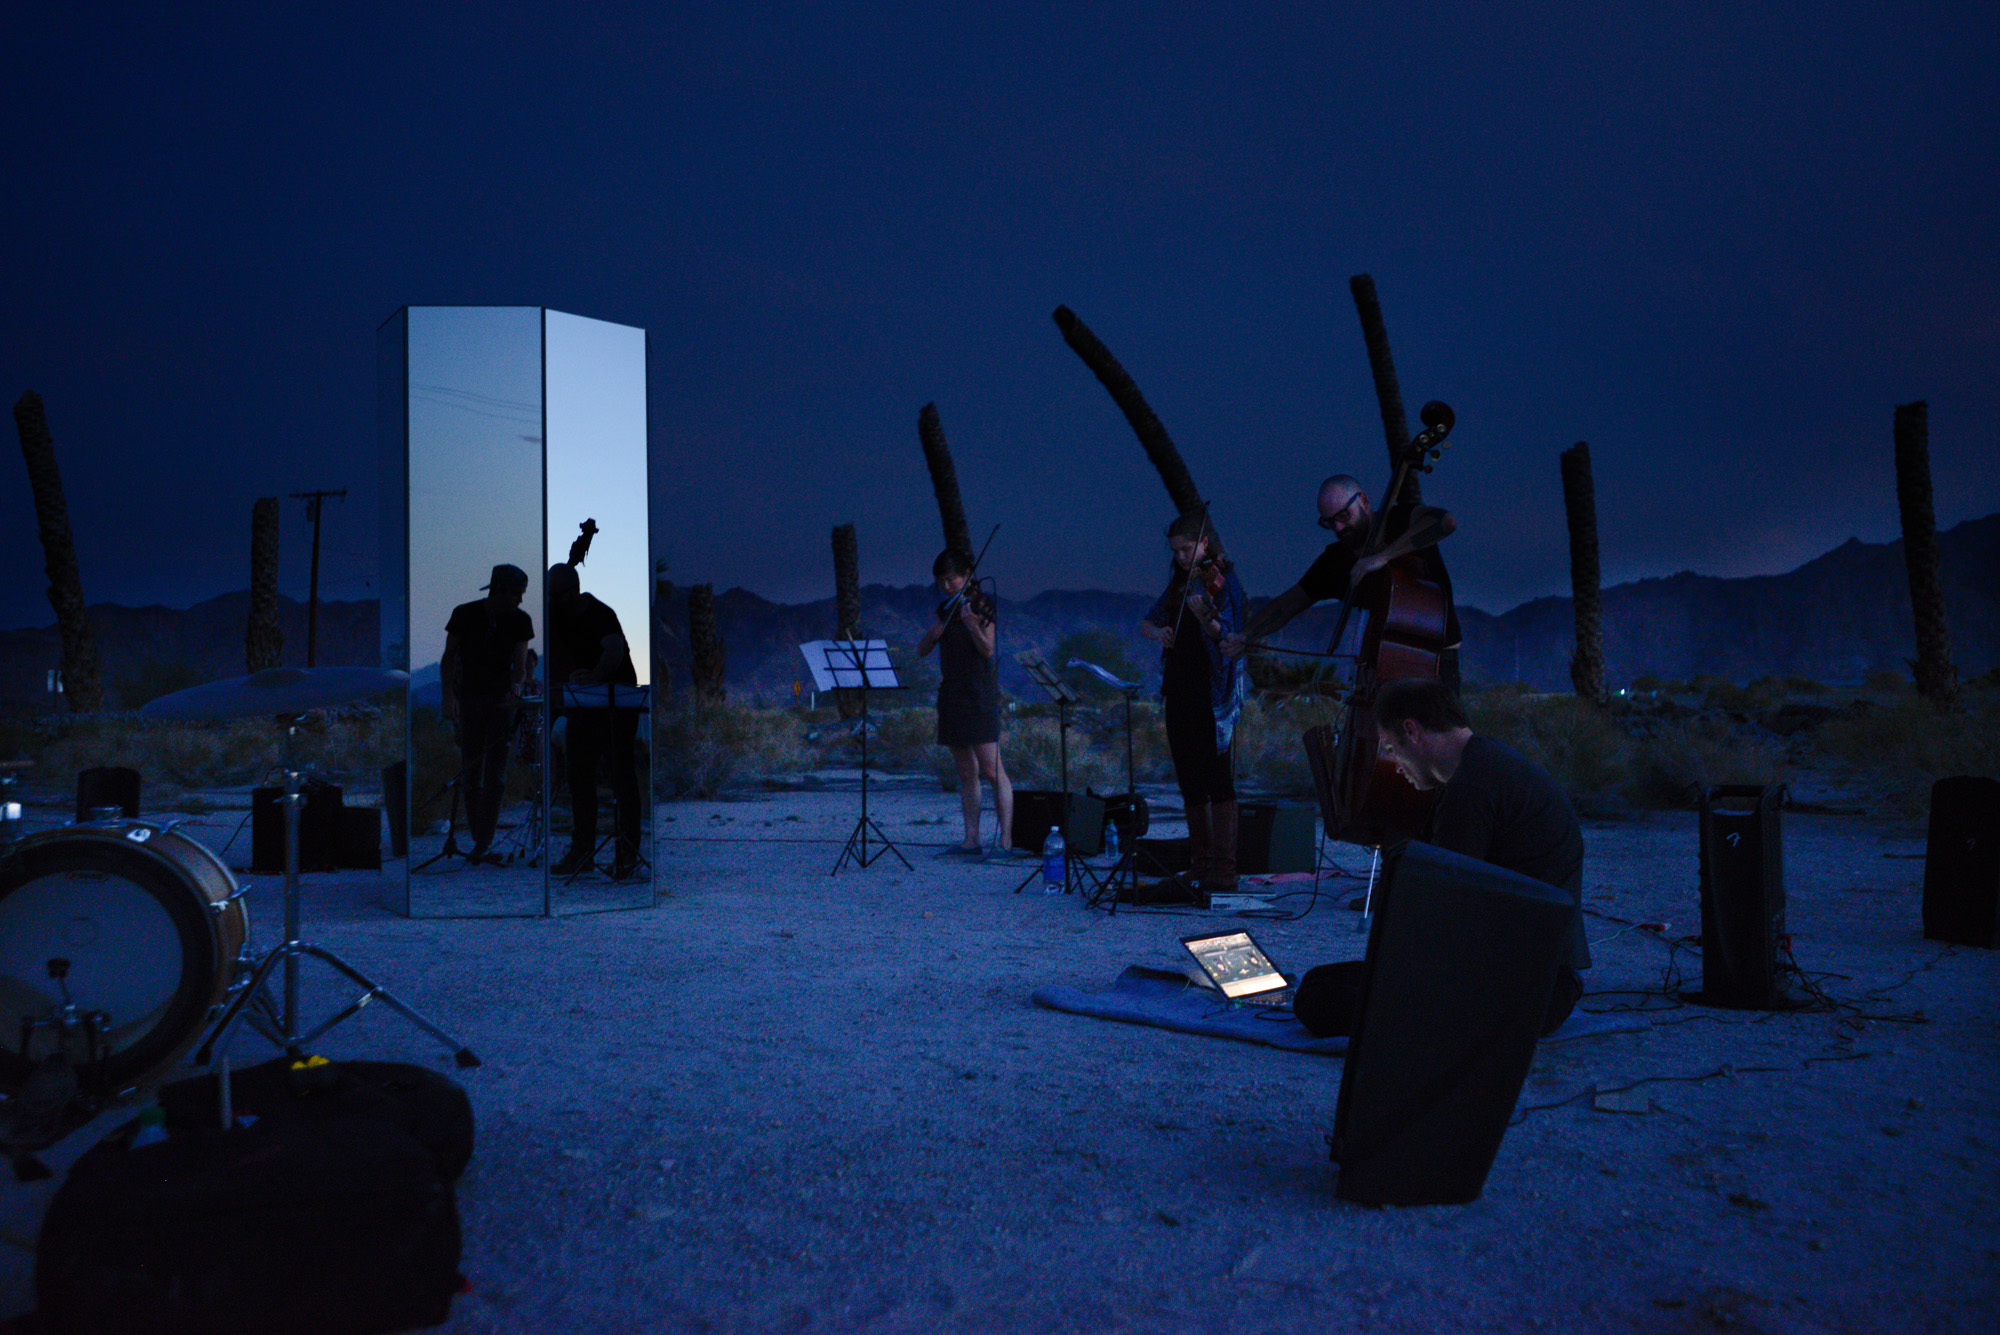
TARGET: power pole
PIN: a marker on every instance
(312, 500)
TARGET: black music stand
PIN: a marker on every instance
(1124, 873)
(853, 665)
(1060, 692)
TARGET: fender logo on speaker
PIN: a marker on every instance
(1734, 838)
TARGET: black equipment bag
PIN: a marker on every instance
(335, 1226)
(428, 1107)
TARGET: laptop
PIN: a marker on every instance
(1238, 968)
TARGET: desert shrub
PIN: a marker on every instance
(1269, 756)
(1886, 681)
(701, 750)
(1907, 744)
(1682, 756)
(1611, 763)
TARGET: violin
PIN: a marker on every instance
(973, 596)
(980, 600)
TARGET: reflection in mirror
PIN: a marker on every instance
(470, 449)
(598, 615)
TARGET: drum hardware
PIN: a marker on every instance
(288, 954)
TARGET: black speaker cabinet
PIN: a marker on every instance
(1081, 816)
(107, 786)
(1275, 836)
(359, 842)
(1462, 960)
(319, 829)
(1742, 896)
(1962, 862)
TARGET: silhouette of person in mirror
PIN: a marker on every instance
(587, 647)
(480, 676)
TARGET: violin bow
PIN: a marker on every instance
(950, 604)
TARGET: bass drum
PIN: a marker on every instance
(147, 921)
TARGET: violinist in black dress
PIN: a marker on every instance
(1201, 692)
(968, 700)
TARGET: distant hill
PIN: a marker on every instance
(1836, 618)
(144, 647)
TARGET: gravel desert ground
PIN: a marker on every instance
(783, 1100)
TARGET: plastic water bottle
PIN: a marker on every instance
(1052, 862)
(1111, 840)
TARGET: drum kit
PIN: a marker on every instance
(124, 943)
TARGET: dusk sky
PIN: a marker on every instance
(1720, 243)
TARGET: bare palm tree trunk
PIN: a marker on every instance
(705, 646)
(1586, 666)
(82, 683)
(263, 640)
(944, 481)
(847, 585)
(1146, 425)
(1936, 678)
(1388, 393)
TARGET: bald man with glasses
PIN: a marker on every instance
(1345, 512)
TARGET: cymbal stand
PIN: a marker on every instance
(288, 953)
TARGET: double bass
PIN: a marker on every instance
(1363, 798)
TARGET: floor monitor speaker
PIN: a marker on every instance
(319, 828)
(1080, 815)
(1962, 862)
(1462, 960)
(1275, 837)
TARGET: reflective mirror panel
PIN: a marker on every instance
(472, 404)
(599, 634)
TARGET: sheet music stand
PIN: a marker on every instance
(861, 665)
(1125, 871)
(1060, 692)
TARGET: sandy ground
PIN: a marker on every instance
(781, 1100)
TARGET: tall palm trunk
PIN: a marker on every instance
(706, 665)
(1586, 667)
(1146, 425)
(1936, 678)
(263, 640)
(847, 597)
(1388, 393)
(944, 481)
(82, 683)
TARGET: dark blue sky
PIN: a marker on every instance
(1719, 242)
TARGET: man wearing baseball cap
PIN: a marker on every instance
(485, 663)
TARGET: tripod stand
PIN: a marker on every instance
(1059, 691)
(1124, 873)
(284, 1029)
(857, 665)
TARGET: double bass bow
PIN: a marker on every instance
(1363, 798)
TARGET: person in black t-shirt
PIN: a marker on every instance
(1493, 804)
(587, 647)
(485, 661)
(1345, 511)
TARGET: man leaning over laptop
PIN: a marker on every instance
(1493, 804)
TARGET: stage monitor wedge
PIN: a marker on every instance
(1462, 960)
